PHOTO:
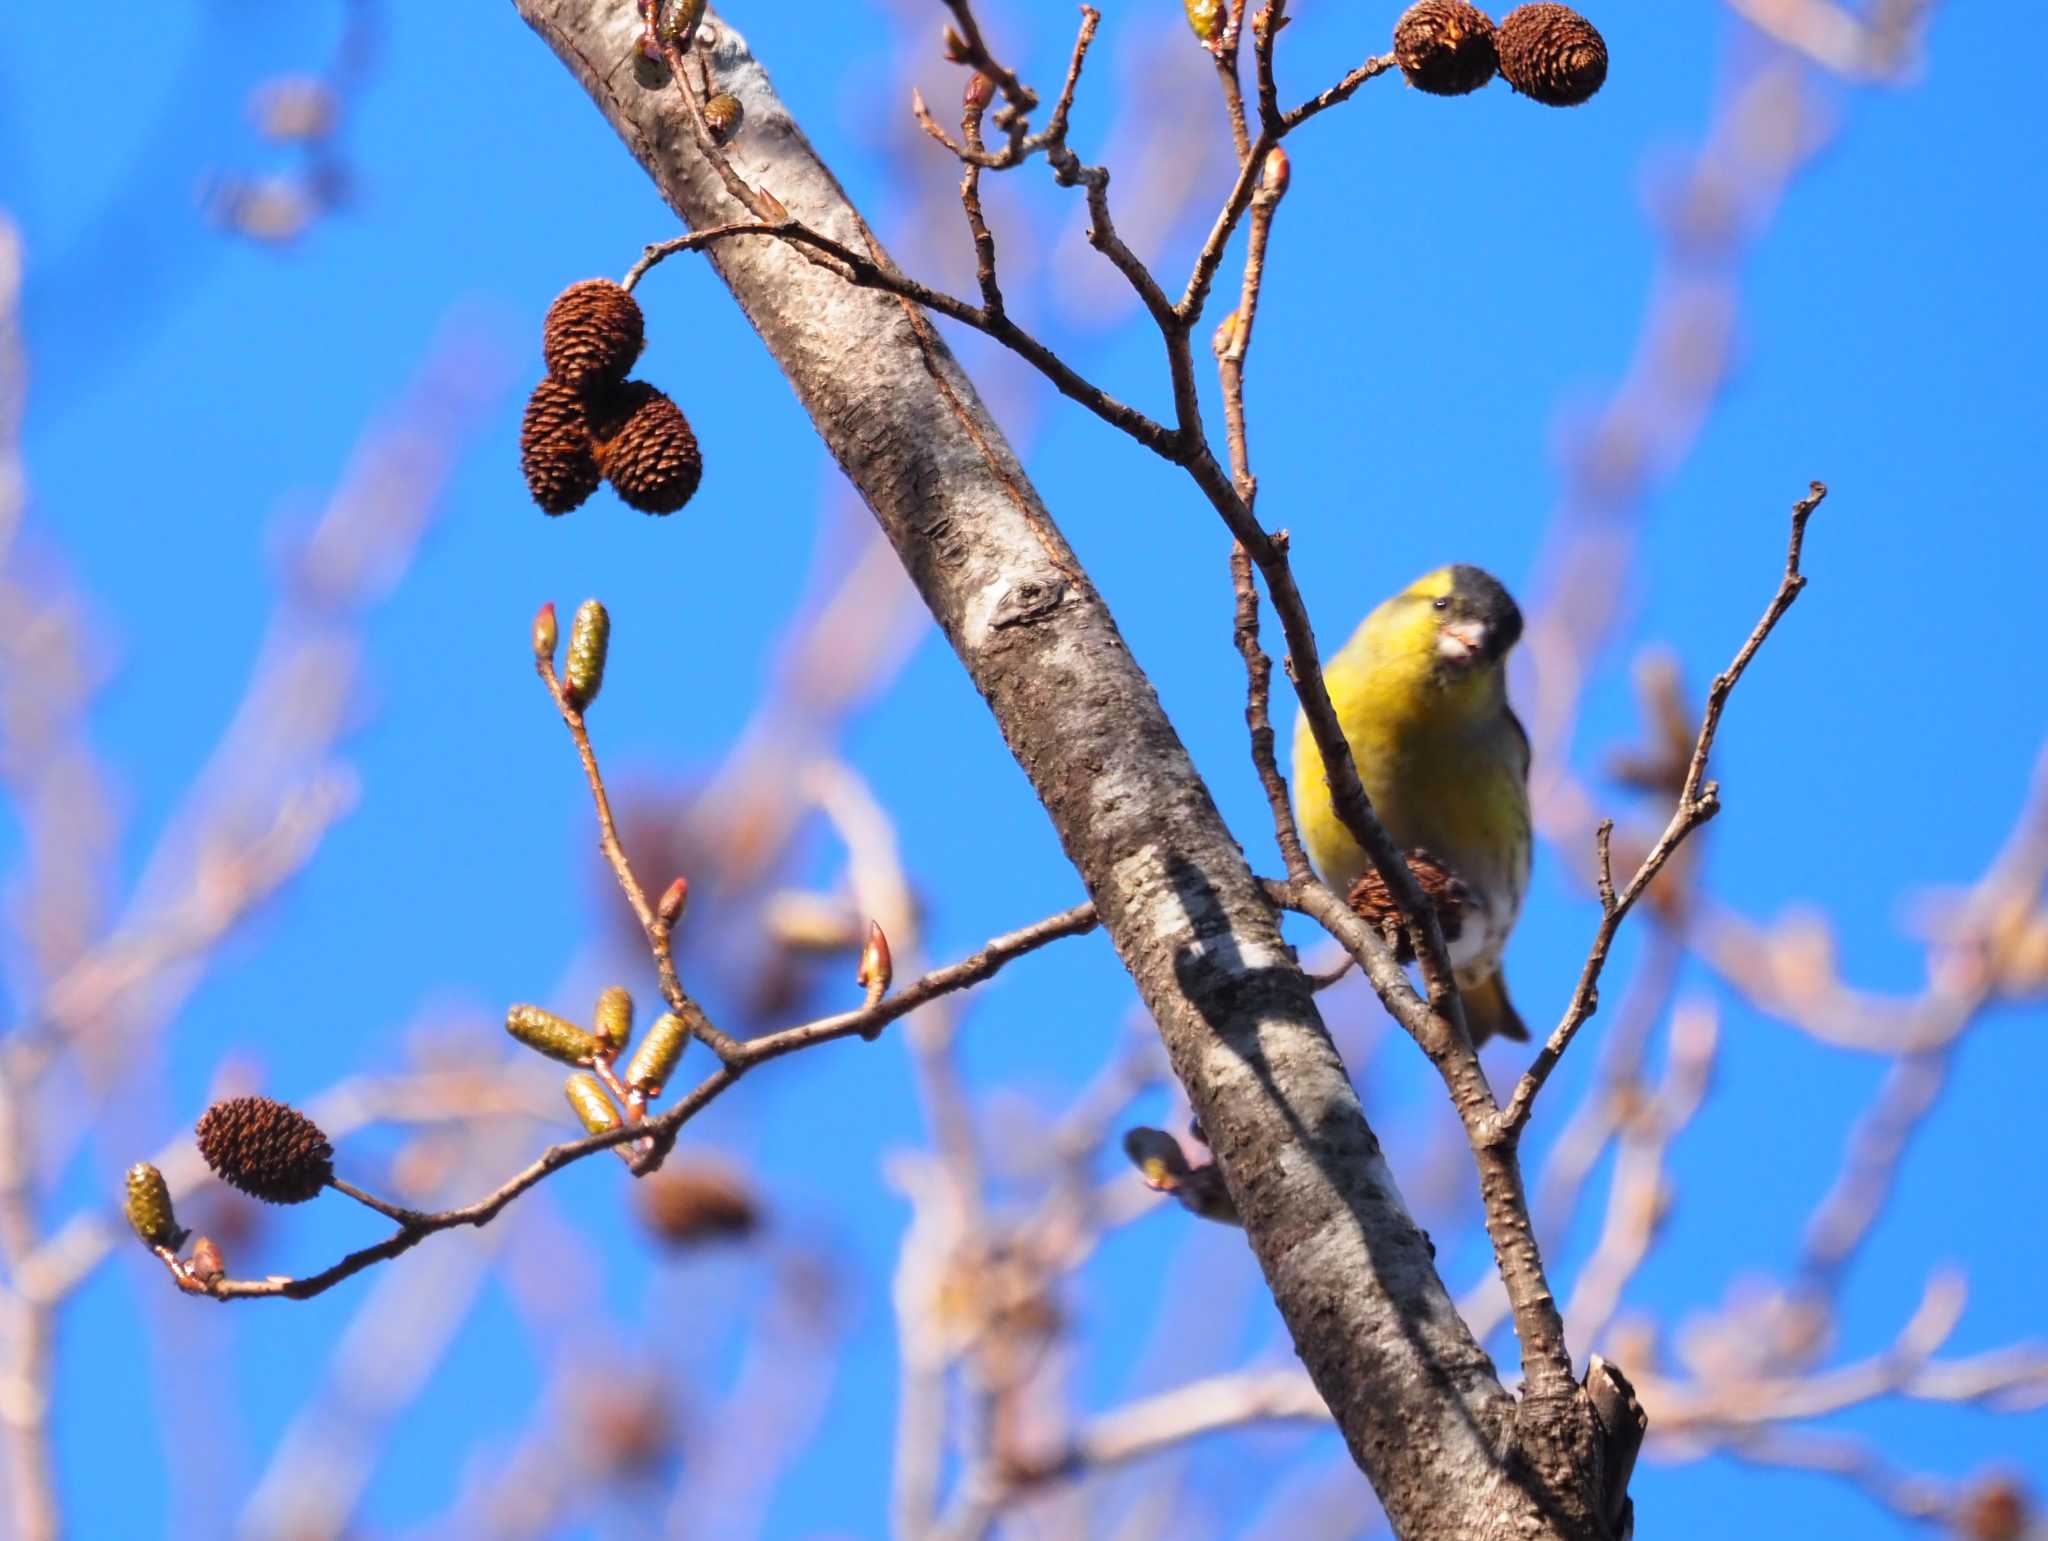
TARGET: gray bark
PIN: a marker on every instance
(1418, 1400)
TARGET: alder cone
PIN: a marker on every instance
(1551, 54)
(268, 1150)
(554, 448)
(1995, 1509)
(1445, 47)
(646, 449)
(689, 1204)
(1374, 904)
(723, 115)
(593, 333)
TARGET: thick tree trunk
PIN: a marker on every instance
(1418, 1400)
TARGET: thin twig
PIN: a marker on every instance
(415, 1226)
(1698, 801)
(417, 1229)
(389, 1211)
(660, 941)
(971, 970)
(1258, 718)
(1342, 91)
(864, 273)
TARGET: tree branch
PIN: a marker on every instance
(1416, 1397)
(1698, 801)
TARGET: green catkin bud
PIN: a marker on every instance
(613, 1022)
(593, 1108)
(1208, 18)
(149, 1206)
(655, 1060)
(589, 638)
(546, 1033)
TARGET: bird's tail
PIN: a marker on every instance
(1490, 1014)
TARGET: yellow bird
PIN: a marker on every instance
(1421, 693)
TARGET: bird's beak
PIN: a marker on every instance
(1462, 642)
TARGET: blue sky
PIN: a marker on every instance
(1454, 285)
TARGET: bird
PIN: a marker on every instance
(1420, 691)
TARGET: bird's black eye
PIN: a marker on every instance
(1441, 602)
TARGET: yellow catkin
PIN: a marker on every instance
(546, 1033)
(593, 1108)
(655, 1060)
(590, 638)
(613, 1020)
(149, 1206)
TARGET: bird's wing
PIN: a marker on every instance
(1521, 738)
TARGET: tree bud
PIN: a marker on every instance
(590, 637)
(545, 634)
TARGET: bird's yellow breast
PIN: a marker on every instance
(1445, 766)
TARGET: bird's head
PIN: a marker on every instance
(1475, 618)
(1447, 633)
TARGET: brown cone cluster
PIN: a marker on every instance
(1549, 53)
(1371, 901)
(1552, 54)
(268, 1150)
(587, 422)
(1445, 47)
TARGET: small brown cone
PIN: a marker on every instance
(554, 448)
(268, 1150)
(683, 19)
(593, 333)
(1551, 54)
(1994, 1508)
(723, 115)
(646, 449)
(1374, 904)
(1445, 47)
(688, 1203)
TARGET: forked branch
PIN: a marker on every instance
(1698, 801)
